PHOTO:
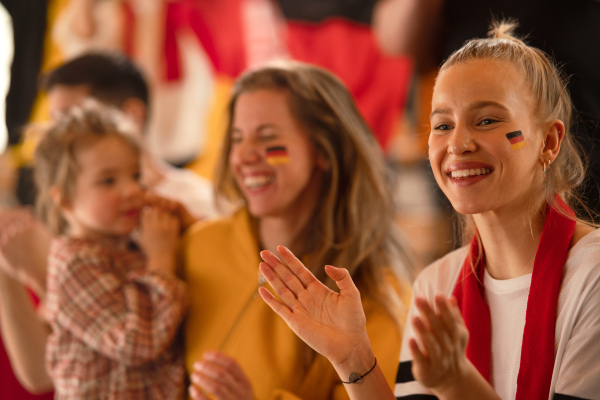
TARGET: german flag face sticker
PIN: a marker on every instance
(516, 139)
(277, 155)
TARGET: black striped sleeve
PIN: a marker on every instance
(405, 372)
(406, 387)
(558, 396)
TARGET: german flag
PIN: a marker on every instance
(277, 155)
(516, 139)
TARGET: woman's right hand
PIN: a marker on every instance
(333, 324)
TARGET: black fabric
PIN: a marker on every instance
(567, 30)
(319, 10)
(558, 396)
(405, 375)
(29, 27)
(405, 372)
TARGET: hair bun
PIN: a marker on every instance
(503, 29)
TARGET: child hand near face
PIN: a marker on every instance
(159, 233)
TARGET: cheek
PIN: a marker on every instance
(437, 150)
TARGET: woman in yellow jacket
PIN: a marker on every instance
(305, 172)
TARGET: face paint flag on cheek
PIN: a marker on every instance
(516, 139)
(277, 155)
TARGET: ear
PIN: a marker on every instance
(552, 142)
(136, 110)
(59, 200)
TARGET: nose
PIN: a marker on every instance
(132, 188)
(246, 152)
(461, 141)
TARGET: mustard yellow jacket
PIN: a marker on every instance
(226, 313)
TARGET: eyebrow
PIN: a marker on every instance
(475, 106)
(259, 129)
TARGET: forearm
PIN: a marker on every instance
(24, 335)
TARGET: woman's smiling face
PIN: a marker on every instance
(475, 105)
(272, 157)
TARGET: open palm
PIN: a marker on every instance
(318, 315)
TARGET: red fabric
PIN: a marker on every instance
(469, 293)
(378, 82)
(218, 27)
(128, 29)
(11, 389)
(537, 351)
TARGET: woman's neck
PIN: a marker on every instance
(288, 231)
(510, 240)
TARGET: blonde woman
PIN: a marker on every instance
(514, 314)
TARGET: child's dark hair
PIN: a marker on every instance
(56, 166)
(111, 77)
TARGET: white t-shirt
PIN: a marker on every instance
(577, 336)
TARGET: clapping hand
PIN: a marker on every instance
(24, 247)
(439, 347)
(324, 319)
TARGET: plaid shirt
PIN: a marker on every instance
(114, 323)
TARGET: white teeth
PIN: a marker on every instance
(255, 182)
(463, 173)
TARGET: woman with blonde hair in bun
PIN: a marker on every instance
(513, 313)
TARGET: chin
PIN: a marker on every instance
(258, 211)
(468, 207)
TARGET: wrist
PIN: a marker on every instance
(359, 361)
(467, 383)
(161, 262)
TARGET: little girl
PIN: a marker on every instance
(114, 308)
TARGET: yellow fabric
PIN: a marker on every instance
(205, 164)
(221, 268)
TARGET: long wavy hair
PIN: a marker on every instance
(353, 226)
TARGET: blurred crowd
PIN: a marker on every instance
(386, 52)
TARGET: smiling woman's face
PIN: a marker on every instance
(272, 158)
(475, 106)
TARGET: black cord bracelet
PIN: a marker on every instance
(355, 377)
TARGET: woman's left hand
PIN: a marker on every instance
(220, 376)
(439, 348)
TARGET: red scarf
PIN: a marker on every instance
(537, 351)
